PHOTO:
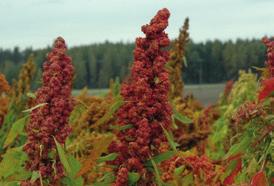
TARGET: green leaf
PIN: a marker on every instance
(35, 175)
(31, 95)
(74, 164)
(170, 139)
(239, 147)
(116, 87)
(16, 129)
(133, 177)
(161, 157)
(179, 170)
(35, 107)
(174, 125)
(106, 180)
(71, 165)
(118, 103)
(12, 164)
(157, 173)
(109, 177)
(63, 157)
(109, 157)
(9, 118)
(188, 180)
(120, 128)
(182, 118)
(71, 179)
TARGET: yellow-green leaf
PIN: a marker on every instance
(63, 157)
(120, 128)
(182, 118)
(133, 178)
(31, 95)
(35, 175)
(157, 173)
(109, 157)
(16, 129)
(161, 157)
(170, 139)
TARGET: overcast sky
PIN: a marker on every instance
(35, 23)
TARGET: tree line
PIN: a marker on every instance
(95, 64)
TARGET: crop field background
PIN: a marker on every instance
(205, 93)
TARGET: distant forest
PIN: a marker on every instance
(207, 62)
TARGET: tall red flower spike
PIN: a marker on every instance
(51, 120)
(269, 43)
(146, 105)
(268, 82)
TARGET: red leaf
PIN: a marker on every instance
(259, 179)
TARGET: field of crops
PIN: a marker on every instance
(147, 130)
(205, 93)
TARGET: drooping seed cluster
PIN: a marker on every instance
(146, 105)
(50, 120)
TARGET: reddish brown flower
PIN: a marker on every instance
(51, 120)
(269, 43)
(146, 104)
